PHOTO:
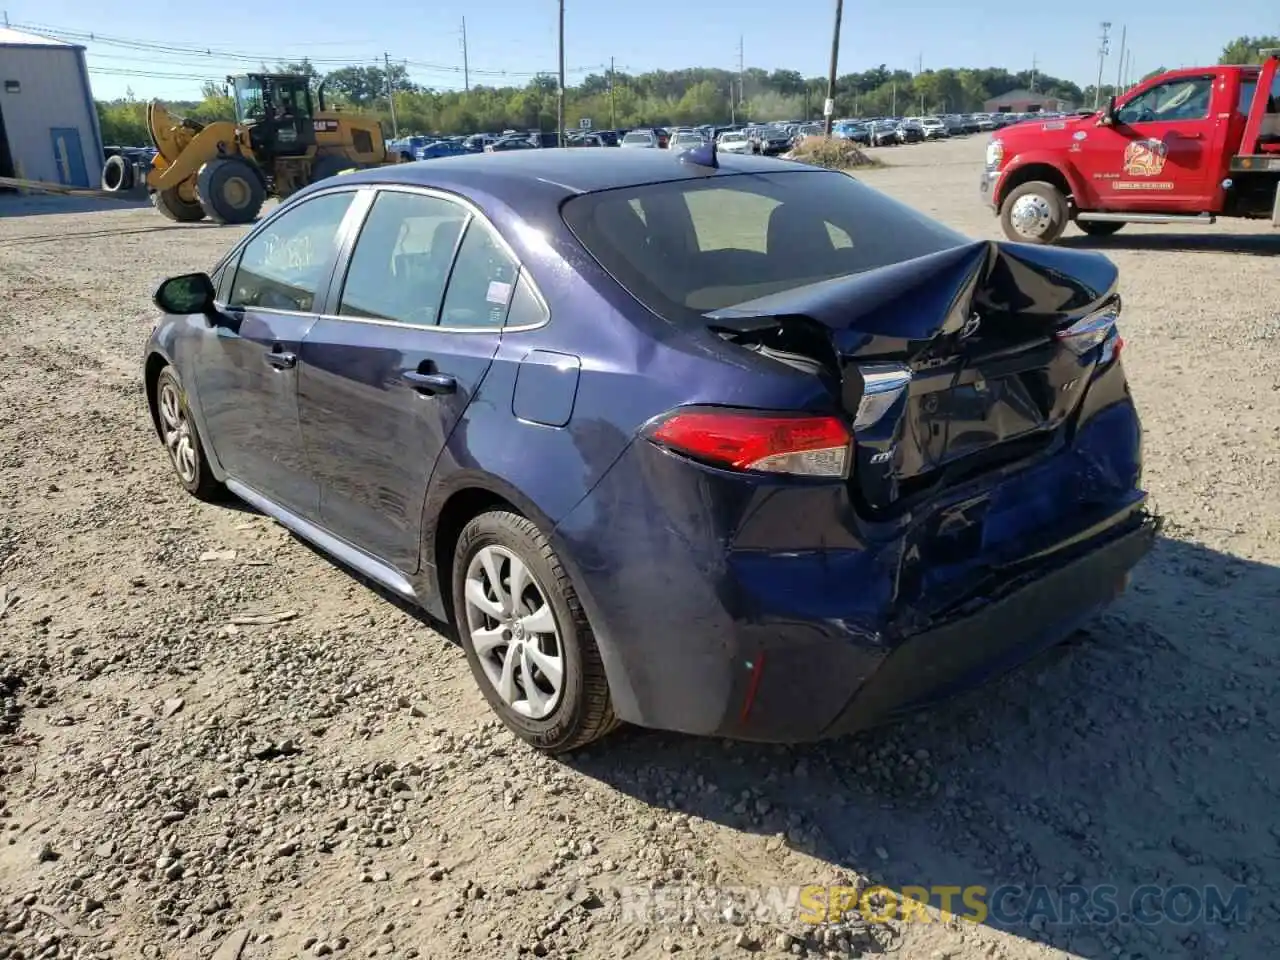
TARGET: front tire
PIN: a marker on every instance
(526, 637)
(230, 190)
(1035, 212)
(182, 439)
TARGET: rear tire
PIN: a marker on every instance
(505, 640)
(170, 203)
(230, 190)
(117, 174)
(1035, 212)
(1099, 228)
(330, 165)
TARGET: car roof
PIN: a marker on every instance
(508, 176)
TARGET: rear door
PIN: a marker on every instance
(249, 365)
(409, 335)
(1161, 151)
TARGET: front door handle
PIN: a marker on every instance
(431, 383)
(281, 360)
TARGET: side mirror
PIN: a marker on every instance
(1108, 118)
(186, 294)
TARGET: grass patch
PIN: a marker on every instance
(835, 153)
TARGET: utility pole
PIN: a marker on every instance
(829, 108)
(466, 68)
(560, 96)
(894, 110)
(613, 103)
(391, 98)
(742, 88)
(1124, 35)
(1104, 48)
(1035, 63)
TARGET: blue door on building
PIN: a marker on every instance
(68, 157)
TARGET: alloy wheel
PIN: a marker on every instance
(514, 632)
(176, 432)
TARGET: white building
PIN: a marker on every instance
(48, 121)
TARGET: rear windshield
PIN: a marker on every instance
(687, 247)
(637, 138)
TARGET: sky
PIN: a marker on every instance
(510, 40)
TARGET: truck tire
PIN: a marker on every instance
(330, 165)
(117, 174)
(230, 190)
(1035, 212)
(170, 203)
(1100, 228)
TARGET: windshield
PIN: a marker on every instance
(637, 138)
(248, 98)
(685, 247)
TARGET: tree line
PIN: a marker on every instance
(659, 97)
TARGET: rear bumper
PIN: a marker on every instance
(767, 655)
(970, 650)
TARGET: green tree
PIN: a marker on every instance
(1248, 49)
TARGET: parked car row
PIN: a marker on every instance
(766, 139)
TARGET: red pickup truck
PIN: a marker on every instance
(1186, 146)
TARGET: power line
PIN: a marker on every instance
(187, 50)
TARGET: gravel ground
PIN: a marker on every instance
(214, 742)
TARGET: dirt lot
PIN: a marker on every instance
(173, 783)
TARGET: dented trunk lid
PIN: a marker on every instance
(991, 346)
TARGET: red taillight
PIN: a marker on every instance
(801, 445)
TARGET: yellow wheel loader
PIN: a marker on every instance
(277, 144)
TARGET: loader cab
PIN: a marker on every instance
(276, 110)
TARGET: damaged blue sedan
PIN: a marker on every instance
(716, 444)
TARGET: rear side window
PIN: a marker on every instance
(401, 260)
(482, 282)
(687, 247)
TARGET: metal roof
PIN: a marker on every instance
(16, 38)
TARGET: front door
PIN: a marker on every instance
(1161, 151)
(418, 319)
(68, 157)
(249, 366)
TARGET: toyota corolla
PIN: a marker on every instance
(709, 443)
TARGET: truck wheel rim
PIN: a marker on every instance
(1031, 216)
(236, 192)
(514, 633)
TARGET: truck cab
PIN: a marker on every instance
(1186, 146)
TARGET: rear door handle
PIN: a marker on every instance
(281, 360)
(431, 383)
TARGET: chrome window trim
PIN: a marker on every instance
(371, 190)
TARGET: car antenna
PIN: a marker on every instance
(703, 156)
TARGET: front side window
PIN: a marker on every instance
(249, 101)
(284, 265)
(401, 261)
(1184, 99)
(687, 247)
